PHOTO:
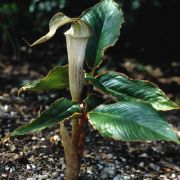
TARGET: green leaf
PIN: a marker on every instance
(105, 19)
(56, 22)
(92, 101)
(57, 78)
(131, 121)
(58, 111)
(124, 88)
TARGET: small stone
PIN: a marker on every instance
(4, 175)
(45, 176)
(154, 166)
(5, 107)
(12, 169)
(132, 176)
(12, 148)
(109, 156)
(123, 159)
(126, 177)
(63, 166)
(28, 167)
(31, 178)
(143, 155)
(55, 174)
(141, 164)
(118, 177)
(33, 166)
(100, 167)
(34, 138)
(42, 139)
(173, 175)
(45, 157)
(6, 168)
(89, 170)
(52, 160)
(104, 176)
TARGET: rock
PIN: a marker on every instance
(28, 167)
(42, 139)
(109, 156)
(173, 175)
(4, 175)
(118, 177)
(100, 167)
(143, 155)
(141, 164)
(45, 176)
(54, 174)
(126, 177)
(89, 170)
(7, 168)
(63, 167)
(33, 166)
(154, 166)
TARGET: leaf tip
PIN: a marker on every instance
(27, 42)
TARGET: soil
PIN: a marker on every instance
(40, 155)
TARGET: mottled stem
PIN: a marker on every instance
(72, 170)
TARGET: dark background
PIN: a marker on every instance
(150, 34)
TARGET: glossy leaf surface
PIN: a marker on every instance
(105, 19)
(57, 78)
(124, 88)
(131, 121)
(58, 111)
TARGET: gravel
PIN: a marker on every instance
(40, 155)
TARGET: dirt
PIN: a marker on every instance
(40, 155)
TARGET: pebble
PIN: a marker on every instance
(42, 139)
(63, 166)
(33, 166)
(28, 167)
(141, 164)
(143, 155)
(104, 176)
(109, 156)
(118, 177)
(6, 168)
(123, 159)
(55, 174)
(100, 167)
(45, 176)
(173, 175)
(154, 166)
(126, 177)
(4, 175)
(89, 170)
(34, 138)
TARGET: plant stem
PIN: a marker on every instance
(72, 170)
(74, 128)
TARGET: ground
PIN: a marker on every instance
(40, 155)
